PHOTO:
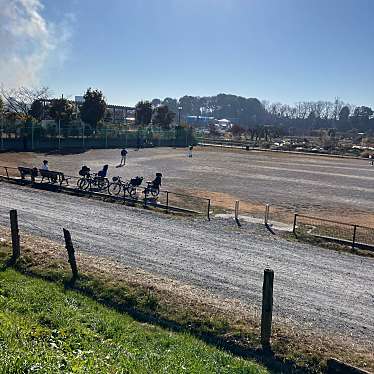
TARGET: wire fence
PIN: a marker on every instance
(304, 225)
(354, 235)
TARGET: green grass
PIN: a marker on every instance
(45, 328)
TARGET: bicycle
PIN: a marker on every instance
(151, 189)
(118, 185)
(90, 182)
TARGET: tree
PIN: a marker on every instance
(172, 104)
(20, 100)
(363, 112)
(237, 130)
(37, 109)
(163, 117)
(93, 108)
(344, 113)
(143, 113)
(61, 110)
(155, 102)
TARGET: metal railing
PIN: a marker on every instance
(166, 200)
(345, 233)
(8, 172)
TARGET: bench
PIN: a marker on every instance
(53, 176)
(24, 171)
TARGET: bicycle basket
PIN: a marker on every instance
(137, 181)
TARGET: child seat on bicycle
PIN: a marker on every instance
(84, 171)
(102, 173)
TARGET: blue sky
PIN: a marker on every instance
(279, 50)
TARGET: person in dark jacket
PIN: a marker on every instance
(123, 157)
(102, 173)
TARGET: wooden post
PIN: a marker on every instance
(354, 236)
(237, 212)
(294, 224)
(71, 254)
(267, 307)
(15, 234)
(267, 207)
(236, 209)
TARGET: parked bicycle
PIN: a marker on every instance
(153, 187)
(90, 181)
(118, 185)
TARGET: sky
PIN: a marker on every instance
(276, 50)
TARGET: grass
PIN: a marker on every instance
(45, 328)
(181, 308)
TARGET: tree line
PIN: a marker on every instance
(249, 114)
(253, 115)
(26, 105)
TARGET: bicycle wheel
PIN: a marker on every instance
(115, 188)
(83, 184)
(155, 192)
(132, 191)
(102, 184)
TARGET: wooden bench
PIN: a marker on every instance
(53, 176)
(24, 171)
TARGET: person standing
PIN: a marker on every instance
(45, 165)
(190, 148)
(123, 157)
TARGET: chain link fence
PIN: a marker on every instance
(51, 135)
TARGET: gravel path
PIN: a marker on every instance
(317, 288)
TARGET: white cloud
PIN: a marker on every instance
(28, 41)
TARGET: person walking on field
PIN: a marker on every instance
(190, 148)
(123, 157)
(371, 159)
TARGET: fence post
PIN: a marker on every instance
(237, 212)
(15, 234)
(71, 254)
(354, 236)
(208, 209)
(267, 307)
(267, 207)
(7, 174)
(294, 224)
(167, 201)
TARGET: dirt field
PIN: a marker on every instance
(329, 187)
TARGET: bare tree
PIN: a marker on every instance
(338, 105)
(19, 100)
